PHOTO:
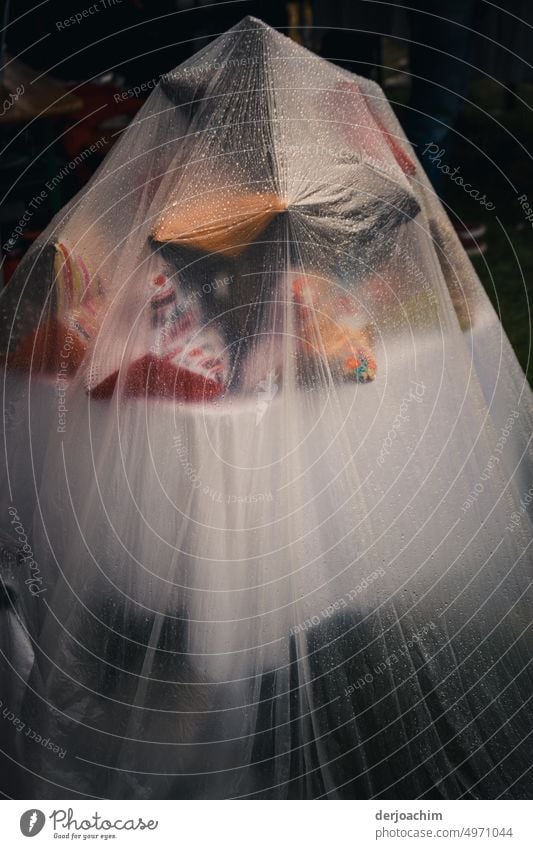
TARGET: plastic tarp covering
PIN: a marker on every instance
(266, 527)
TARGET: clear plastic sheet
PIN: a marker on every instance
(266, 454)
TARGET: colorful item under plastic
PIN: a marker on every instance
(267, 457)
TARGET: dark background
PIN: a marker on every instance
(460, 73)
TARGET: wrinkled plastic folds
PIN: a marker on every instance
(267, 453)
